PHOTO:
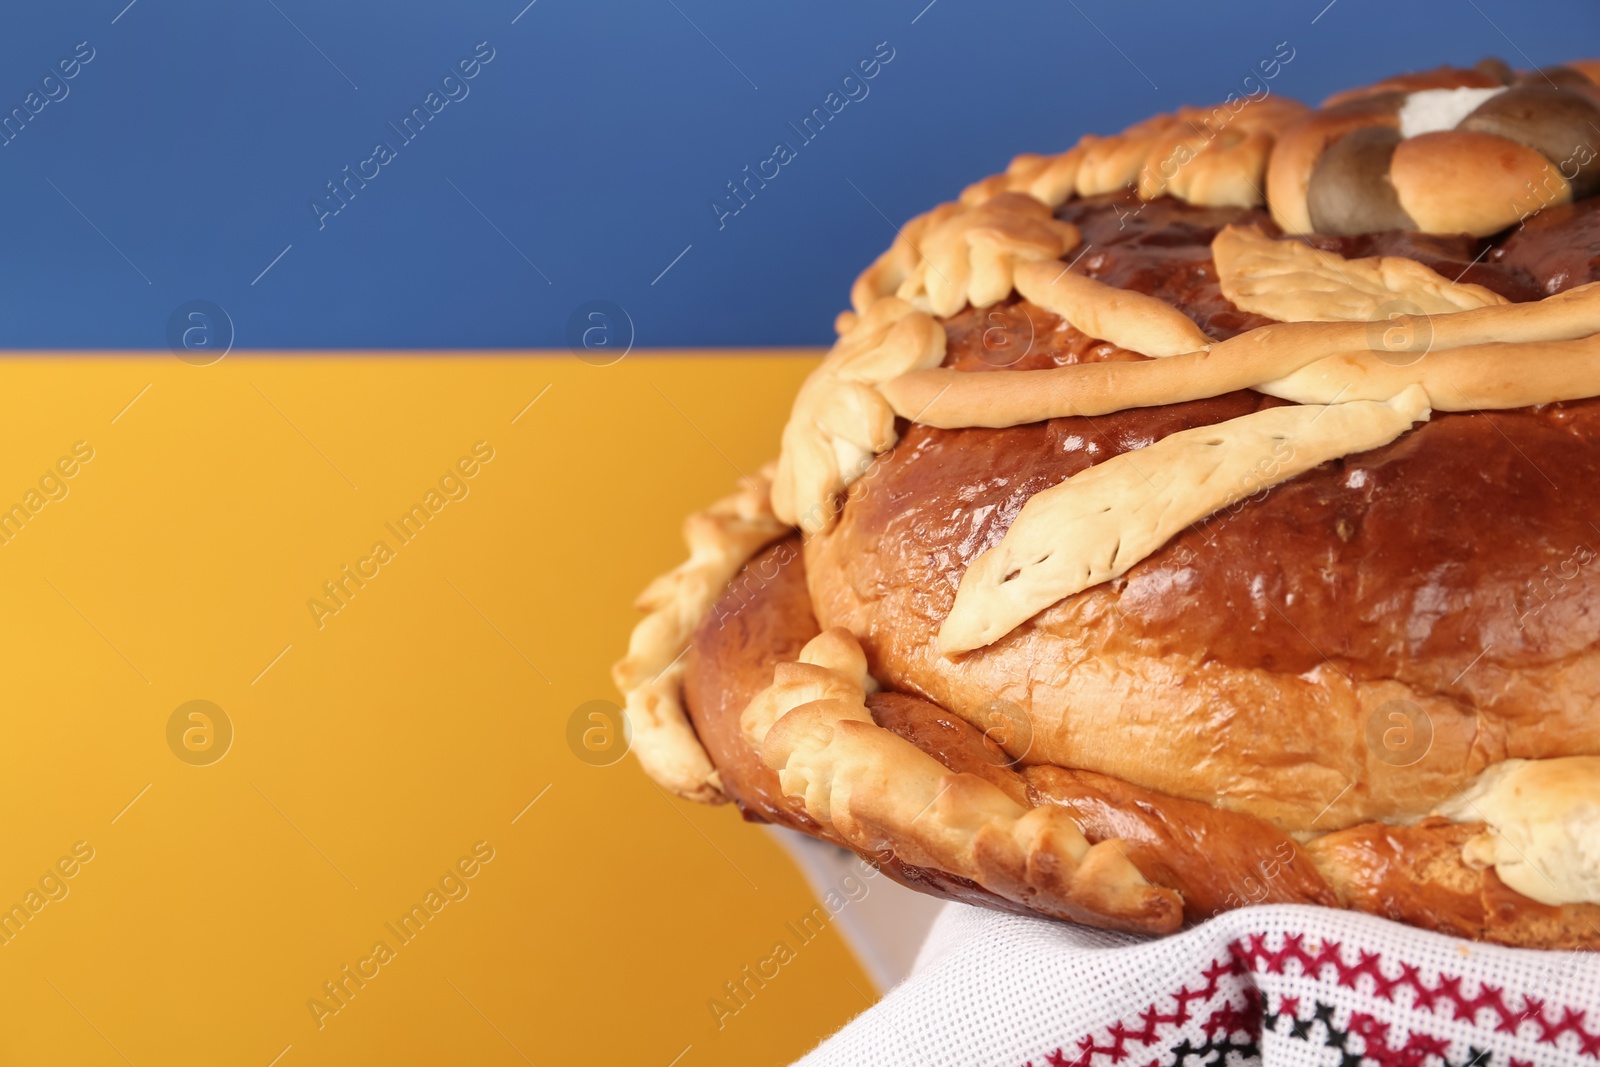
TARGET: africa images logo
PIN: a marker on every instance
(454, 885)
(453, 485)
(853, 88)
(453, 88)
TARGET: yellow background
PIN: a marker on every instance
(374, 752)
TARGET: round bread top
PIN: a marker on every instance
(1214, 630)
(1448, 576)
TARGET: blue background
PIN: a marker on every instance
(586, 156)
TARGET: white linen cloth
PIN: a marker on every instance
(1278, 985)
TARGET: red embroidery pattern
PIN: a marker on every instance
(1250, 956)
(1222, 1022)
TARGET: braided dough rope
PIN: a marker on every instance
(1223, 167)
(1049, 179)
(1212, 156)
(1098, 523)
(1290, 281)
(1268, 151)
(1469, 360)
(1114, 162)
(1449, 151)
(879, 791)
(1209, 156)
(1473, 378)
(1427, 170)
(840, 421)
(720, 539)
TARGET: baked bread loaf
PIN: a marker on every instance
(1204, 516)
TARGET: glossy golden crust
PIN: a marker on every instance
(1416, 875)
(763, 618)
(1218, 860)
(1214, 859)
(1243, 663)
(1121, 510)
